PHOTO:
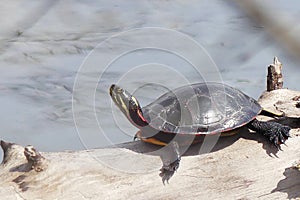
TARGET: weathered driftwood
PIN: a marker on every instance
(281, 101)
(34, 159)
(274, 77)
(243, 166)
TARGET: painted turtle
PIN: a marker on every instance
(194, 110)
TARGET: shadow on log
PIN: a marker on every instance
(290, 184)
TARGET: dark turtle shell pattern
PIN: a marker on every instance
(201, 108)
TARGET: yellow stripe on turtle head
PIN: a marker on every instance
(124, 105)
(134, 100)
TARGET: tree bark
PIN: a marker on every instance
(274, 77)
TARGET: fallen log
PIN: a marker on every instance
(243, 166)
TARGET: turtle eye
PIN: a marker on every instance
(131, 103)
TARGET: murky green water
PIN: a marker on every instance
(41, 55)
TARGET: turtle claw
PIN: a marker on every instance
(282, 139)
(167, 171)
(277, 144)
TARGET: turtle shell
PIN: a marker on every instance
(201, 108)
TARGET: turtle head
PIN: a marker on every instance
(128, 104)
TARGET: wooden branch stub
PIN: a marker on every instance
(5, 146)
(274, 77)
(34, 158)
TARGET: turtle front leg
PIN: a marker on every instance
(275, 132)
(170, 161)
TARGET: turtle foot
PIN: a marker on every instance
(278, 134)
(167, 171)
(274, 131)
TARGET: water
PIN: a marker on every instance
(41, 55)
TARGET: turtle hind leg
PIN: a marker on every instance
(275, 132)
(170, 161)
